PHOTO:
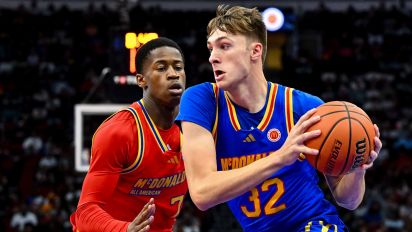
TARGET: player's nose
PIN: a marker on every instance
(172, 73)
(214, 58)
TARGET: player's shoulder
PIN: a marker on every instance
(306, 96)
(202, 87)
(118, 125)
(304, 101)
(200, 91)
(120, 117)
(198, 105)
(303, 97)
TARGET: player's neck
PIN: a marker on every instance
(162, 116)
(250, 93)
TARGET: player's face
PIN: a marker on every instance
(230, 58)
(164, 76)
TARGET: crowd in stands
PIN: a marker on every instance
(50, 59)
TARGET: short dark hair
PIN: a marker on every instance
(145, 50)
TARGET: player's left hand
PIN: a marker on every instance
(374, 154)
(143, 220)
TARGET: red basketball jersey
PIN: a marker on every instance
(151, 167)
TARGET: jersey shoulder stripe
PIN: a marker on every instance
(140, 144)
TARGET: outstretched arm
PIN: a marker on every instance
(348, 190)
(209, 187)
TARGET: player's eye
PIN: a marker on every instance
(225, 46)
(161, 68)
(178, 68)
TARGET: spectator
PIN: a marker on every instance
(23, 218)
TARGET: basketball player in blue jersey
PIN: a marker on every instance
(243, 138)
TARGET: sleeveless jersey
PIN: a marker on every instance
(290, 199)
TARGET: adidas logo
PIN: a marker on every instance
(249, 138)
(173, 160)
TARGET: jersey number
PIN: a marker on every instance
(177, 200)
(270, 207)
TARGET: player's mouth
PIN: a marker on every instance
(219, 74)
(176, 89)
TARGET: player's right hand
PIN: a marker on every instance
(143, 220)
(295, 143)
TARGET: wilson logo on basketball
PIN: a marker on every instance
(274, 135)
(360, 152)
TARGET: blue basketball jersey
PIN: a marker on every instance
(290, 200)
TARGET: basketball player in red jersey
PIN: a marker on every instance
(136, 163)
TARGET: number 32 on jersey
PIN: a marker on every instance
(269, 206)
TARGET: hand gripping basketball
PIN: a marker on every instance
(294, 145)
(346, 141)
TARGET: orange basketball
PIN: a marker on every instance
(346, 139)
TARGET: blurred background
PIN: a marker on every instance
(57, 54)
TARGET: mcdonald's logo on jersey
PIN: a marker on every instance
(274, 135)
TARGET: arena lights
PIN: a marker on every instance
(125, 80)
(133, 42)
(273, 18)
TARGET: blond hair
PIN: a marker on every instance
(240, 20)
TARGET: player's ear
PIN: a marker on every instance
(141, 81)
(256, 51)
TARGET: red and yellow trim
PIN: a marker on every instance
(140, 144)
(289, 108)
(153, 128)
(232, 113)
(214, 130)
(290, 122)
(270, 107)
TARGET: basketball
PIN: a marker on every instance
(346, 139)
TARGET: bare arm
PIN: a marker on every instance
(348, 190)
(209, 187)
